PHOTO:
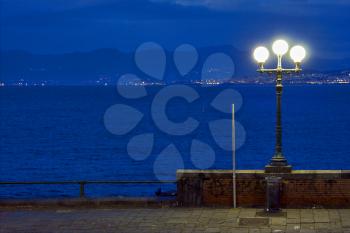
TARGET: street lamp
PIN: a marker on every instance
(278, 163)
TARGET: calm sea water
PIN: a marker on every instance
(57, 133)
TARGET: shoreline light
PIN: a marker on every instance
(261, 54)
(280, 47)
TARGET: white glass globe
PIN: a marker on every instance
(261, 54)
(297, 53)
(280, 47)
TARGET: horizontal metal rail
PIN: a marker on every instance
(82, 183)
(91, 182)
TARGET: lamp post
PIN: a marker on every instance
(278, 163)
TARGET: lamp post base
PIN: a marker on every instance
(278, 164)
(278, 169)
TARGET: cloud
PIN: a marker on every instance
(211, 4)
(20, 7)
(285, 6)
(125, 23)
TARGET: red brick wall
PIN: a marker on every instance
(298, 189)
(316, 192)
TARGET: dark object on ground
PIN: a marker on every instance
(171, 193)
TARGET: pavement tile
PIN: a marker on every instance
(184, 220)
(278, 221)
(265, 230)
(245, 213)
(292, 228)
(307, 226)
(293, 213)
(307, 231)
(240, 230)
(212, 230)
(278, 230)
(254, 230)
(293, 220)
(321, 215)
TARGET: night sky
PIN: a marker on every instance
(57, 26)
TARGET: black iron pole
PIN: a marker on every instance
(278, 162)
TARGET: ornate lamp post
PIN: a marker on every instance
(278, 163)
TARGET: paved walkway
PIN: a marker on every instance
(173, 220)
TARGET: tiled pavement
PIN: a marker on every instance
(173, 220)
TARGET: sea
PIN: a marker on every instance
(56, 133)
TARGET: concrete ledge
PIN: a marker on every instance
(294, 174)
(300, 188)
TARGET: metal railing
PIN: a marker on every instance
(82, 183)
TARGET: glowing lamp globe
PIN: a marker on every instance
(280, 47)
(261, 54)
(297, 53)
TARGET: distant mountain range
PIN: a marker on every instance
(106, 65)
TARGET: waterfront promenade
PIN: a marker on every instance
(172, 219)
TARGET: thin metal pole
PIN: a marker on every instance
(234, 159)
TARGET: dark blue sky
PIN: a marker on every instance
(46, 26)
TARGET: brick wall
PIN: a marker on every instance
(327, 188)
